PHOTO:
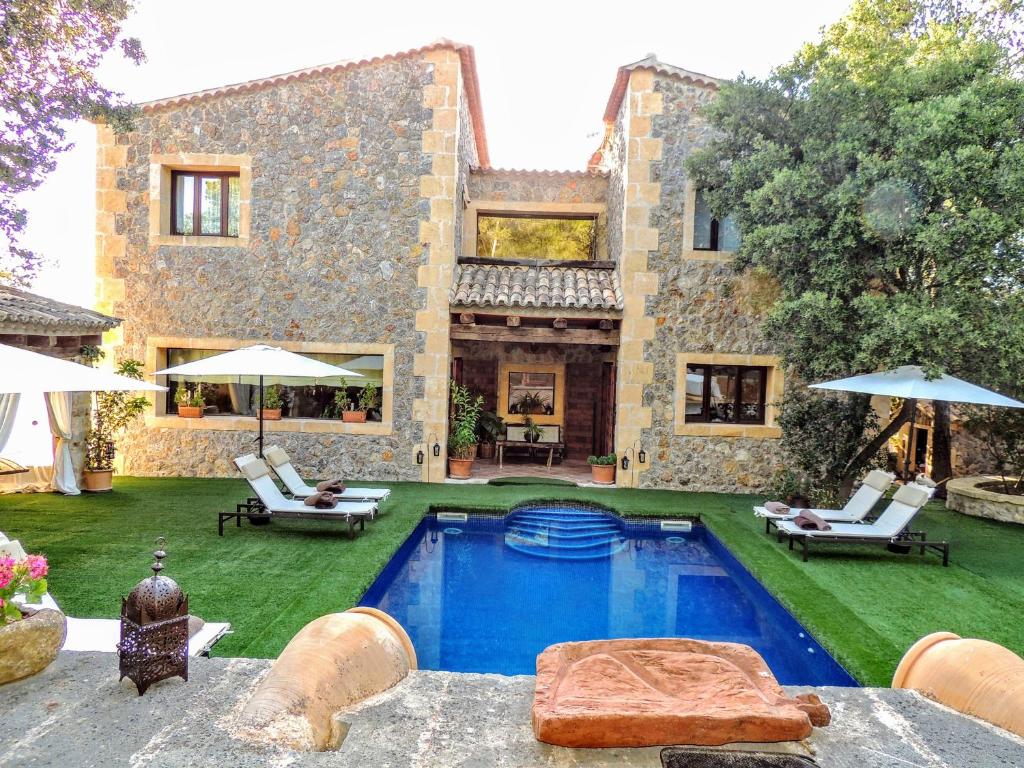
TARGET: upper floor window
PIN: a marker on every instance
(730, 394)
(205, 203)
(711, 233)
(536, 236)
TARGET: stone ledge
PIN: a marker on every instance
(248, 424)
(965, 497)
(728, 430)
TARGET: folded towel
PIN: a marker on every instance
(809, 521)
(334, 486)
(776, 507)
(322, 500)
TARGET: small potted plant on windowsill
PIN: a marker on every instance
(530, 402)
(190, 404)
(272, 403)
(462, 437)
(602, 468)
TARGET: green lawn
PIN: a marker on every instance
(865, 605)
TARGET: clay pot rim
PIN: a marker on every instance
(396, 629)
(915, 652)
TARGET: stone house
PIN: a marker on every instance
(350, 211)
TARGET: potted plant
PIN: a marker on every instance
(531, 431)
(489, 427)
(272, 403)
(465, 414)
(602, 468)
(190, 404)
(113, 414)
(368, 400)
(530, 402)
(29, 639)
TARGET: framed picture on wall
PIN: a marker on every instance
(531, 393)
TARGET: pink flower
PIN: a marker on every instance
(37, 566)
(6, 571)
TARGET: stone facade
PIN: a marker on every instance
(339, 209)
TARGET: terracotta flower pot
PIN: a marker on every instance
(28, 646)
(190, 411)
(461, 468)
(356, 417)
(976, 677)
(271, 414)
(98, 480)
(603, 473)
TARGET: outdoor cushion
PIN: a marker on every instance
(878, 480)
(912, 495)
(276, 456)
(254, 469)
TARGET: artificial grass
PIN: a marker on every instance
(865, 605)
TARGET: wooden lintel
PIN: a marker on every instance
(467, 318)
(497, 333)
(605, 325)
(560, 323)
(513, 321)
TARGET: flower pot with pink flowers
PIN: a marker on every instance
(29, 637)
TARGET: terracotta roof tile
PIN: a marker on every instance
(523, 286)
(24, 309)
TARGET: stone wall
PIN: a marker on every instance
(964, 495)
(700, 306)
(538, 186)
(333, 253)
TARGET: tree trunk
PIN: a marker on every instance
(861, 459)
(942, 455)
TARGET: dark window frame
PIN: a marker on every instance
(197, 201)
(704, 417)
(713, 235)
(541, 216)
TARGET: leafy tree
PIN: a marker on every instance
(879, 179)
(536, 238)
(49, 51)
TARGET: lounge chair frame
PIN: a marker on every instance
(254, 509)
(910, 538)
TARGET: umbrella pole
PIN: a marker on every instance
(910, 440)
(260, 438)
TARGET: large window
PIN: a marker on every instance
(729, 394)
(205, 203)
(711, 233)
(222, 396)
(534, 236)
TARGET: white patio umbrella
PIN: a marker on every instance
(909, 382)
(260, 364)
(23, 372)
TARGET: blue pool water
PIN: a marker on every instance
(489, 594)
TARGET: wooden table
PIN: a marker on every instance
(552, 447)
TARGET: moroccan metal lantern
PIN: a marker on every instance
(154, 629)
(437, 449)
(419, 457)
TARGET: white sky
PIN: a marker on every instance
(545, 70)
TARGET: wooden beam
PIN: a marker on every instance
(467, 318)
(513, 321)
(560, 322)
(605, 325)
(497, 333)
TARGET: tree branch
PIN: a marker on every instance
(862, 458)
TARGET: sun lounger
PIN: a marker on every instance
(297, 487)
(857, 508)
(269, 502)
(891, 527)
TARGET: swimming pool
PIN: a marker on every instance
(488, 594)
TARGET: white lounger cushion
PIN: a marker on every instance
(258, 475)
(282, 464)
(856, 509)
(890, 523)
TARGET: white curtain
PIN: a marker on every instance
(8, 410)
(241, 398)
(58, 406)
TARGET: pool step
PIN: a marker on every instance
(564, 534)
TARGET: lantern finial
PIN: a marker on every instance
(159, 554)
